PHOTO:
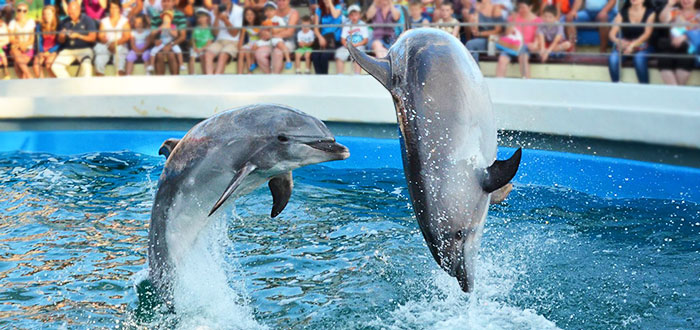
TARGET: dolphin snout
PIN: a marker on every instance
(464, 268)
(336, 149)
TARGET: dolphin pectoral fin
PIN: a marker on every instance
(235, 182)
(501, 172)
(281, 189)
(500, 194)
(380, 69)
(167, 147)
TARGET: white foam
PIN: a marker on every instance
(449, 308)
(208, 290)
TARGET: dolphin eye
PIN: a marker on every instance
(282, 138)
(459, 235)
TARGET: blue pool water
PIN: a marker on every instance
(582, 242)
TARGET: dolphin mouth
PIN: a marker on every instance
(331, 147)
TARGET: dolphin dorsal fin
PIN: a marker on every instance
(406, 19)
(501, 172)
(281, 189)
(167, 147)
(242, 173)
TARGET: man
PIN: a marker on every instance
(166, 54)
(601, 11)
(227, 27)
(77, 37)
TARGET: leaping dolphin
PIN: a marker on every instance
(448, 142)
(221, 158)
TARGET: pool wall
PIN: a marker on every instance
(599, 176)
(666, 115)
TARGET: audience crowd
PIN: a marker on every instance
(42, 38)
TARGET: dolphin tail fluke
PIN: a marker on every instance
(281, 189)
(235, 183)
(167, 147)
(501, 172)
(380, 69)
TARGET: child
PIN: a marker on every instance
(550, 37)
(305, 39)
(274, 20)
(446, 12)
(359, 36)
(247, 60)
(201, 37)
(521, 34)
(168, 33)
(416, 12)
(4, 41)
(47, 45)
(139, 43)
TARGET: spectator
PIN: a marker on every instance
(139, 43)
(246, 60)
(4, 41)
(632, 40)
(272, 20)
(131, 8)
(676, 70)
(601, 11)
(77, 36)
(94, 9)
(383, 12)
(359, 36)
(550, 37)
(487, 18)
(22, 40)
(228, 18)
(328, 38)
(446, 13)
(415, 10)
(201, 38)
(167, 53)
(166, 35)
(46, 44)
(305, 40)
(266, 55)
(5, 10)
(112, 44)
(526, 22)
(152, 8)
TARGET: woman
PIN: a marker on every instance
(675, 70)
(112, 43)
(383, 12)
(632, 40)
(488, 19)
(266, 55)
(47, 44)
(22, 30)
(526, 22)
(327, 38)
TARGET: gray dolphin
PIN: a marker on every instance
(448, 142)
(221, 158)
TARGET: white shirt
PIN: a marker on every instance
(116, 35)
(236, 19)
(29, 27)
(358, 32)
(305, 37)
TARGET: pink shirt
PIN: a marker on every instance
(528, 31)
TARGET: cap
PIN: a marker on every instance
(201, 11)
(354, 8)
(167, 13)
(271, 5)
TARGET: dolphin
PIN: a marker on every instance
(448, 141)
(220, 159)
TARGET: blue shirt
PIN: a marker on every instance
(328, 19)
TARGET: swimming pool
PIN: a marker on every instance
(582, 242)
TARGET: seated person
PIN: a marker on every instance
(77, 37)
(550, 37)
(359, 36)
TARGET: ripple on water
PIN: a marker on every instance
(345, 253)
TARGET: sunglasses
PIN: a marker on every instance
(21, 10)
